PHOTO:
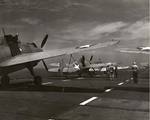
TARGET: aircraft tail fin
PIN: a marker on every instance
(12, 42)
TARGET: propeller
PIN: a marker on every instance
(45, 65)
(91, 58)
(42, 45)
(44, 41)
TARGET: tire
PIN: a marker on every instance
(5, 81)
(37, 80)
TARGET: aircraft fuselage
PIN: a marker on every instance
(84, 46)
(147, 49)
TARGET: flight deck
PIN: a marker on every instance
(76, 98)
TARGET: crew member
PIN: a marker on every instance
(110, 71)
(135, 68)
(116, 71)
(82, 61)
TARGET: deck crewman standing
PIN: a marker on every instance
(135, 69)
(110, 71)
(116, 71)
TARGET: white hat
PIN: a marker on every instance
(134, 63)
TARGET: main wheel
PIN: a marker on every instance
(37, 80)
(5, 80)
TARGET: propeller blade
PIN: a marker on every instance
(91, 58)
(44, 41)
(45, 65)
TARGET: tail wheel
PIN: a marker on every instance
(5, 80)
(37, 80)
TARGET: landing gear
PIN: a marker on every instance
(5, 80)
(37, 79)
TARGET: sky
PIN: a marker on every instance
(76, 22)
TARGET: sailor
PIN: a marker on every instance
(135, 68)
(82, 61)
(116, 71)
(81, 66)
(110, 71)
(107, 69)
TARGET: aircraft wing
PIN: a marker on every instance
(125, 50)
(30, 57)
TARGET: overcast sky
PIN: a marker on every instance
(70, 22)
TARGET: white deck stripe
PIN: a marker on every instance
(121, 83)
(66, 80)
(80, 78)
(89, 100)
(47, 83)
(108, 90)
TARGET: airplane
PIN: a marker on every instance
(90, 45)
(84, 46)
(77, 66)
(15, 55)
(143, 50)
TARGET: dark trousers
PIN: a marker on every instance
(135, 77)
